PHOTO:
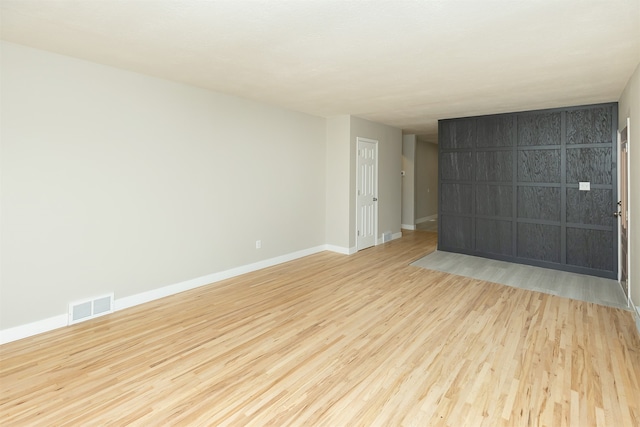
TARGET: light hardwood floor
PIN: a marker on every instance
(335, 340)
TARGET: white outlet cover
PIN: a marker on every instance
(585, 186)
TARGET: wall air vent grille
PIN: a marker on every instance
(90, 308)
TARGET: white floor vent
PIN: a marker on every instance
(386, 236)
(88, 309)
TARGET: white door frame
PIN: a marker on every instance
(627, 214)
(375, 194)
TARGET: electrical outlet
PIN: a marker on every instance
(258, 244)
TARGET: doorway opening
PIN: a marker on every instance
(426, 184)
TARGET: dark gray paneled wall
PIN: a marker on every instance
(509, 188)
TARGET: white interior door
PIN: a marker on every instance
(366, 193)
(623, 208)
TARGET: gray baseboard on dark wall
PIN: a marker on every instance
(535, 263)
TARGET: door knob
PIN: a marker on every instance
(617, 214)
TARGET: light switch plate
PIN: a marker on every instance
(585, 186)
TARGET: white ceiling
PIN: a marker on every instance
(406, 63)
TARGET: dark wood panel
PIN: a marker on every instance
(494, 200)
(539, 129)
(494, 236)
(458, 134)
(590, 125)
(590, 248)
(456, 198)
(590, 164)
(494, 166)
(495, 131)
(539, 166)
(455, 232)
(590, 207)
(539, 203)
(502, 167)
(457, 165)
(539, 242)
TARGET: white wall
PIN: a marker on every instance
(408, 181)
(116, 181)
(426, 179)
(629, 106)
(337, 182)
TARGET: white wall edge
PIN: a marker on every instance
(407, 227)
(426, 218)
(46, 325)
(34, 328)
(636, 313)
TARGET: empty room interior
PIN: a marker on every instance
(331, 213)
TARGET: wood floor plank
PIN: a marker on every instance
(335, 340)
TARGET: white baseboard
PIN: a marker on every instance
(45, 325)
(62, 320)
(341, 250)
(33, 328)
(407, 227)
(165, 291)
(426, 218)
